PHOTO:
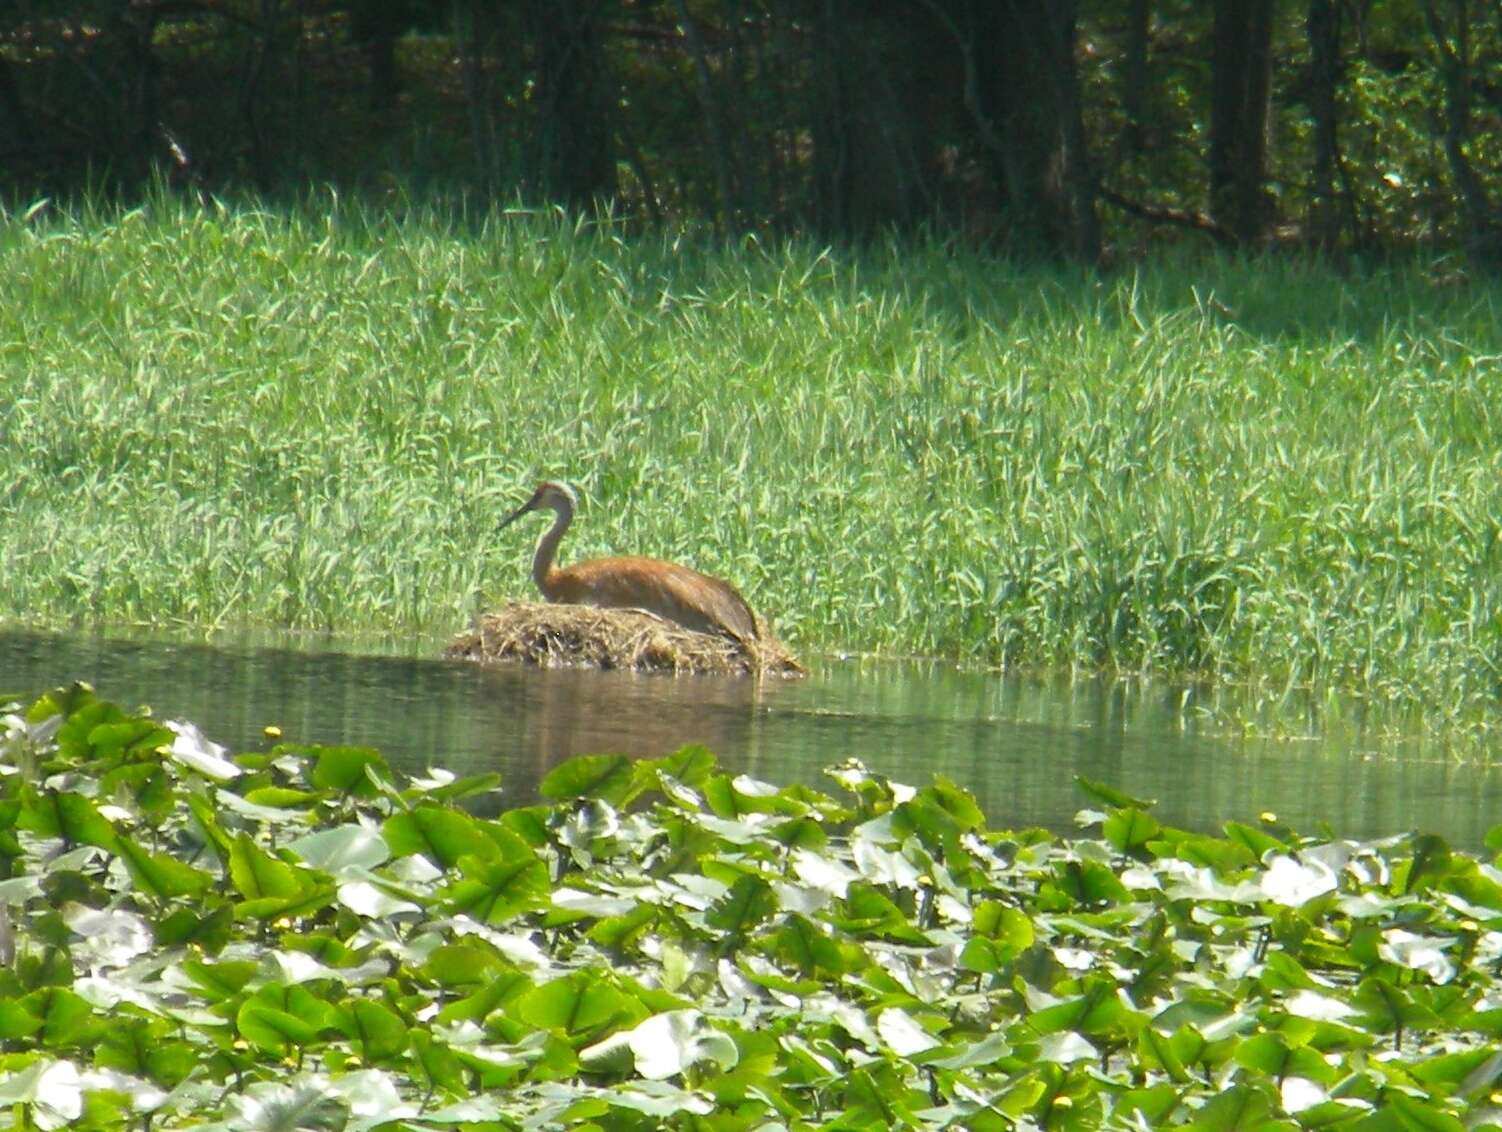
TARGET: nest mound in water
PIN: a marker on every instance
(582, 636)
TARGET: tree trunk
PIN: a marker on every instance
(1483, 228)
(16, 119)
(1323, 26)
(721, 156)
(1134, 73)
(1027, 103)
(872, 145)
(373, 27)
(1242, 74)
(575, 100)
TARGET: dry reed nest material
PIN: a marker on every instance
(582, 636)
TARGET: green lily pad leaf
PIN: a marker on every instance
(346, 770)
(192, 749)
(611, 1055)
(1099, 1010)
(1258, 842)
(53, 1089)
(878, 864)
(1418, 953)
(148, 1048)
(1480, 1075)
(371, 900)
(1222, 856)
(1066, 1048)
(1233, 1109)
(207, 820)
(281, 797)
(1087, 883)
(619, 933)
(1293, 883)
(378, 1032)
(800, 833)
(341, 848)
(1432, 859)
(870, 913)
(691, 765)
(988, 1051)
(902, 1033)
(110, 740)
(738, 797)
(440, 834)
(160, 875)
(605, 777)
(659, 1100)
(530, 824)
(1153, 1104)
(1298, 1094)
(441, 786)
(68, 1019)
(1008, 926)
(282, 1019)
(18, 1019)
(1459, 1074)
(1422, 1116)
(254, 814)
(1271, 1055)
(220, 981)
(803, 944)
(1158, 1050)
(750, 901)
(1384, 1007)
(1319, 1007)
(494, 891)
(577, 1006)
(571, 904)
(666, 1044)
(461, 964)
(827, 874)
(1111, 796)
(474, 1110)
(955, 801)
(268, 1106)
(112, 937)
(79, 822)
(589, 821)
(1129, 829)
(257, 875)
(436, 1063)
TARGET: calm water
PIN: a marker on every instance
(1015, 743)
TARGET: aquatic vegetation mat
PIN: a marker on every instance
(581, 636)
(299, 938)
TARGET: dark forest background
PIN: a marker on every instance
(1067, 128)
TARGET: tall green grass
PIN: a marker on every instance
(315, 416)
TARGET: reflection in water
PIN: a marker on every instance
(1016, 743)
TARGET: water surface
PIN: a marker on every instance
(1016, 743)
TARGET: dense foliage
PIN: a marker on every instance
(1064, 126)
(314, 419)
(294, 938)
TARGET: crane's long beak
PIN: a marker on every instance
(529, 505)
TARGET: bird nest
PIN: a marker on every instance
(583, 636)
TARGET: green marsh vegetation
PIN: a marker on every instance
(296, 937)
(314, 416)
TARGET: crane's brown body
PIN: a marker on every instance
(675, 593)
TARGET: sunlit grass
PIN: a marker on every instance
(314, 418)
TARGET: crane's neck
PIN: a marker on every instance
(547, 547)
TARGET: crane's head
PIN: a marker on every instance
(559, 496)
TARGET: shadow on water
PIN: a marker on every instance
(1016, 743)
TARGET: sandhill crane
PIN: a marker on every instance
(675, 593)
